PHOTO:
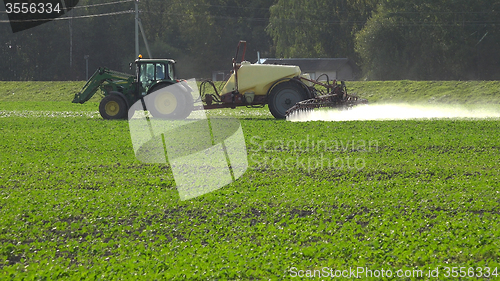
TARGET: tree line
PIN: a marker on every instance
(387, 39)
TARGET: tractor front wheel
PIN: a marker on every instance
(113, 107)
(283, 96)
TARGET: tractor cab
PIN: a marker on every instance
(153, 71)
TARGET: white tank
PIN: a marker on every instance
(258, 78)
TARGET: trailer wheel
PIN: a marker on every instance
(113, 107)
(284, 96)
(170, 102)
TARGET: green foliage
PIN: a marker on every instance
(76, 204)
(199, 34)
(43, 53)
(391, 40)
(317, 28)
(431, 41)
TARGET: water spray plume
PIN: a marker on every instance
(397, 112)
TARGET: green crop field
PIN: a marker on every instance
(419, 199)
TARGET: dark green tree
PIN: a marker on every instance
(202, 35)
(317, 28)
(431, 40)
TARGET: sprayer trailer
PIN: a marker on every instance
(282, 87)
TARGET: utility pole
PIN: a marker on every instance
(136, 28)
(86, 57)
(138, 25)
(70, 39)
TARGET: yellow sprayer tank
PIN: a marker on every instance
(258, 78)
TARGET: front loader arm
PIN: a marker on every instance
(97, 79)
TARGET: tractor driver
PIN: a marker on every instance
(160, 74)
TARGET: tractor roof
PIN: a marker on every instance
(155, 60)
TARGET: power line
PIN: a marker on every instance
(226, 6)
(287, 21)
(68, 18)
(103, 4)
(93, 5)
(322, 22)
(206, 16)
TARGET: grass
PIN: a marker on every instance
(450, 92)
(40, 91)
(457, 92)
(76, 204)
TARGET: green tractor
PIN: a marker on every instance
(122, 90)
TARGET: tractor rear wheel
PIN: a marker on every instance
(284, 96)
(170, 102)
(113, 107)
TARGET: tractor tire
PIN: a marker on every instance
(170, 102)
(113, 107)
(283, 96)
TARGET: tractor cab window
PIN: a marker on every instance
(171, 73)
(147, 73)
(150, 72)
